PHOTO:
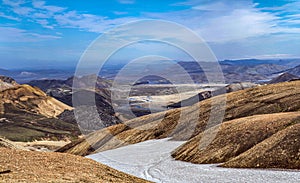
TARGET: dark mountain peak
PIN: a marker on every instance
(295, 70)
(7, 82)
(284, 78)
(7, 79)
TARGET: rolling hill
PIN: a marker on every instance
(27, 113)
(272, 100)
(281, 150)
(238, 136)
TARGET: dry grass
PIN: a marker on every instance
(27, 166)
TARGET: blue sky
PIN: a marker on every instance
(55, 33)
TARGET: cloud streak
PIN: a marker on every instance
(21, 35)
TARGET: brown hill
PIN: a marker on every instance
(268, 99)
(27, 113)
(235, 137)
(6, 82)
(25, 97)
(62, 90)
(281, 150)
(20, 166)
(283, 78)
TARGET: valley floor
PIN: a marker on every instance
(151, 160)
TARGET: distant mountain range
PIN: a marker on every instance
(294, 71)
(24, 76)
(246, 70)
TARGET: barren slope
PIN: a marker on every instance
(27, 166)
(281, 150)
(235, 137)
(25, 97)
(27, 113)
(282, 97)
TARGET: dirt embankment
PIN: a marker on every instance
(28, 166)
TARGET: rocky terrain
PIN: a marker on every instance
(294, 71)
(29, 166)
(6, 82)
(208, 94)
(4, 143)
(27, 113)
(242, 106)
(62, 90)
(284, 78)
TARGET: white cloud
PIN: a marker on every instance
(239, 24)
(13, 3)
(52, 16)
(44, 23)
(9, 17)
(274, 56)
(220, 21)
(120, 12)
(88, 22)
(11, 34)
(42, 5)
(127, 1)
(23, 11)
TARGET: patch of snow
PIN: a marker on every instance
(151, 160)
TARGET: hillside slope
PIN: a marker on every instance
(281, 150)
(27, 113)
(235, 137)
(55, 167)
(25, 97)
(64, 91)
(268, 99)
